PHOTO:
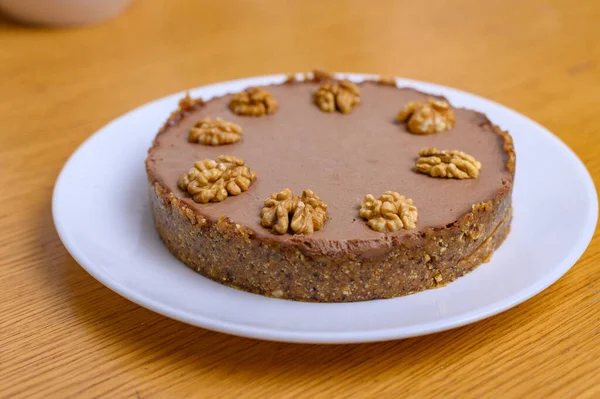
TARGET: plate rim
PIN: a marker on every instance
(354, 336)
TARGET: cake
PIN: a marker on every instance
(319, 189)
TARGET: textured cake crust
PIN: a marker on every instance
(232, 254)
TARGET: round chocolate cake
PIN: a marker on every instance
(269, 190)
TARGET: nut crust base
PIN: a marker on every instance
(230, 254)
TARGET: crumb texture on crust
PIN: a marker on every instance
(231, 254)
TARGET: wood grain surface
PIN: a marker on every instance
(63, 334)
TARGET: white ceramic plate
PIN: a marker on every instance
(102, 215)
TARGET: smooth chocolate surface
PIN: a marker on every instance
(341, 158)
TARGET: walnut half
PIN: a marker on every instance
(310, 214)
(254, 101)
(342, 96)
(451, 164)
(213, 180)
(390, 212)
(431, 116)
(217, 131)
(283, 211)
(276, 212)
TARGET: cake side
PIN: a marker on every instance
(230, 254)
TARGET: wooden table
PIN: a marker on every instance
(64, 334)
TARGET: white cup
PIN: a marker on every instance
(63, 12)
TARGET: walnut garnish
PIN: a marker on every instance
(390, 212)
(254, 101)
(212, 180)
(276, 212)
(451, 164)
(431, 116)
(342, 96)
(310, 214)
(283, 210)
(215, 132)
